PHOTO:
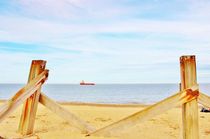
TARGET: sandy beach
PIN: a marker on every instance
(48, 125)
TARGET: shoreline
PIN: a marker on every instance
(132, 105)
(97, 104)
(102, 104)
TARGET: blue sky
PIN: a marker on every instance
(104, 41)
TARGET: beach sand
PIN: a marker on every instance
(49, 126)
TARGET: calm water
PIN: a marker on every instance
(104, 93)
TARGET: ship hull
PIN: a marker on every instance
(87, 84)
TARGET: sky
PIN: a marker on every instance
(104, 41)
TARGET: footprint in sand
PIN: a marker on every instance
(103, 119)
(41, 130)
(65, 123)
(11, 117)
(42, 115)
(45, 121)
(207, 132)
(202, 116)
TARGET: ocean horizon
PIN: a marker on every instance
(104, 93)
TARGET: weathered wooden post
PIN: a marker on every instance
(27, 120)
(189, 109)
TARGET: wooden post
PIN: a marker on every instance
(189, 109)
(27, 120)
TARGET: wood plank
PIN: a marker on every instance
(190, 109)
(204, 100)
(27, 119)
(117, 127)
(9, 106)
(65, 114)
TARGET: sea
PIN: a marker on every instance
(104, 93)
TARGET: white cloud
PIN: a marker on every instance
(36, 30)
(79, 52)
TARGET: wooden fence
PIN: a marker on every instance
(30, 95)
(189, 96)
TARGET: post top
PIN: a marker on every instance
(187, 57)
(39, 62)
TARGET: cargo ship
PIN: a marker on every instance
(84, 83)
